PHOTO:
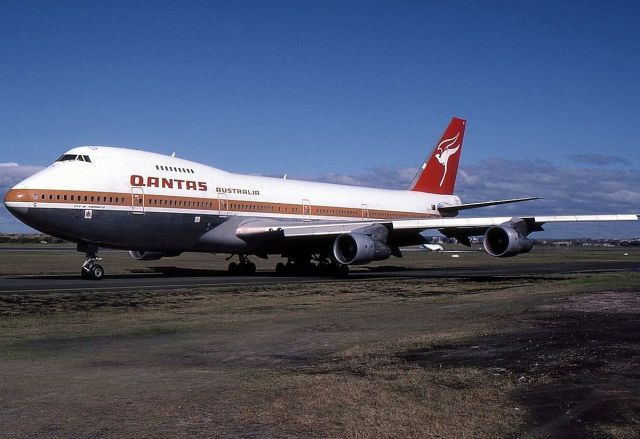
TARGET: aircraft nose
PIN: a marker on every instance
(16, 201)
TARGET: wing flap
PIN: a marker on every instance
(440, 223)
(285, 229)
(585, 218)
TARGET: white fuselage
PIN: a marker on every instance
(141, 183)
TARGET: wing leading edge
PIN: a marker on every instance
(464, 226)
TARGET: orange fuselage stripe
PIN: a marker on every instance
(199, 203)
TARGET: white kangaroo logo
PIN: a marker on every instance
(445, 151)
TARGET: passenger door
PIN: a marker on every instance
(365, 212)
(306, 210)
(137, 201)
(223, 205)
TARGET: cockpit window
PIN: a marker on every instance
(74, 157)
(67, 158)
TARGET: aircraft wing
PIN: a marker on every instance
(459, 228)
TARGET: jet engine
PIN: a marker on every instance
(359, 248)
(504, 241)
(143, 255)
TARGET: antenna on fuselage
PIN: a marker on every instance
(173, 154)
(285, 177)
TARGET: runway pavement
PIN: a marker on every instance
(175, 277)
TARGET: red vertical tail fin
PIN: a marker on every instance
(438, 174)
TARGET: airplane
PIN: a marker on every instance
(157, 206)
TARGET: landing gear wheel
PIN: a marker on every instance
(342, 271)
(97, 272)
(243, 268)
(280, 269)
(91, 270)
(249, 268)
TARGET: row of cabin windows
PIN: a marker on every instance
(174, 169)
(256, 207)
(180, 203)
(73, 197)
(370, 213)
(343, 212)
(233, 206)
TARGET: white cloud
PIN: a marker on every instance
(10, 175)
(13, 173)
(576, 190)
(581, 190)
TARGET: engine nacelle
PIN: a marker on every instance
(358, 248)
(504, 241)
(143, 255)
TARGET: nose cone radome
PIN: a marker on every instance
(16, 201)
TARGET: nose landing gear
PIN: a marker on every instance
(91, 270)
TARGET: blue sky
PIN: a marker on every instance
(332, 90)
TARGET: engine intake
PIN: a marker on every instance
(505, 241)
(359, 248)
(143, 255)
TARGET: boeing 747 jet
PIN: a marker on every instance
(159, 206)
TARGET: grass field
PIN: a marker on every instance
(494, 356)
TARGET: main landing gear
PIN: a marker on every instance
(244, 267)
(303, 266)
(91, 270)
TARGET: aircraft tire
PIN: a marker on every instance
(342, 270)
(280, 269)
(249, 268)
(97, 272)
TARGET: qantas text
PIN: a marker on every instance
(168, 183)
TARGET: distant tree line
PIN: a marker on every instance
(29, 239)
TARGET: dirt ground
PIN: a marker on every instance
(494, 356)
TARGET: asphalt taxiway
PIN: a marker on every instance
(176, 278)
